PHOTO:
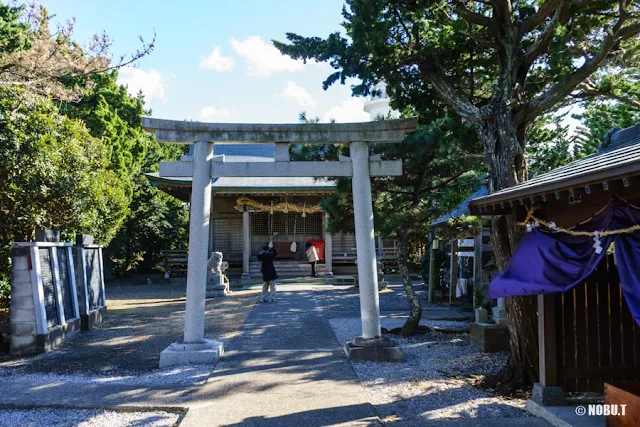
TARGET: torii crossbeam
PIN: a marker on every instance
(202, 166)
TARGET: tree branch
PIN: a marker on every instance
(503, 10)
(432, 72)
(588, 91)
(538, 18)
(560, 90)
(541, 45)
(471, 17)
(480, 41)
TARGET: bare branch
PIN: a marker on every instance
(56, 57)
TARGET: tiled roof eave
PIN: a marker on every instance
(579, 180)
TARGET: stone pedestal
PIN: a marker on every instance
(548, 395)
(481, 315)
(217, 286)
(376, 350)
(48, 236)
(499, 313)
(204, 353)
(489, 338)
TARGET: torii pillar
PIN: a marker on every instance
(194, 348)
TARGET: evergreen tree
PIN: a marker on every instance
(53, 174)
(439, 164)
(499, 65)
(152, 220)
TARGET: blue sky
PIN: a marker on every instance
(214, 60)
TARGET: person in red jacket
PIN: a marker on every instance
(312, 256)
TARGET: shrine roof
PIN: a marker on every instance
(462, 209)
(616, 159)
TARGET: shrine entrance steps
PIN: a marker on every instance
(287, 268)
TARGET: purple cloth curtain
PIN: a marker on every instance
(546, 262)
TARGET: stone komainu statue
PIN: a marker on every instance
(215, 265)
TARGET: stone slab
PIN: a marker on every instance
(94, 317)
(216, 294)
(84, 239)
(320, 133)
(206, 353)
(564, 416)
(48, 236)
(548, 395)
(56, 336)
(374, 354)
(474, 422)
(489, 338)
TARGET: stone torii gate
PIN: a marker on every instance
(194, 348)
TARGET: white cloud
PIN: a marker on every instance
(299, 94)
(216, 62)
(211, 113)
(263, 59)
(151, 82)
(349, 110)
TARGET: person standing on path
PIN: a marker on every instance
(312, 256)
(269, 274)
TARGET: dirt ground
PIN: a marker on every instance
(141, 321)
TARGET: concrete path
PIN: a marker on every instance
(286, 368)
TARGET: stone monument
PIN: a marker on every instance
(217, 281)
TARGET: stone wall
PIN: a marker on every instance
(23, 318)
(55, 289)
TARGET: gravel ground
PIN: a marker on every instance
(141, 321)
(435, 381)
(341, 300)
(183, 375)
(85, 418)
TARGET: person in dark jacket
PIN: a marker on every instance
(269, 274)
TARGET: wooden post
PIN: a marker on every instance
(547, 341)
(432, 266)
(477, 266)
(453, 270)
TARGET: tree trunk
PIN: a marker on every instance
(410, 327)
(504, 143)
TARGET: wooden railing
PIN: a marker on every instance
(175, 262)
(597, 339)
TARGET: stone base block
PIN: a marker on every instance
(206, 353)
(548, 395)
(489, 338)
(215, 291)
(93, 318)
(375, 350)
(43, 343)
(499, 315)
